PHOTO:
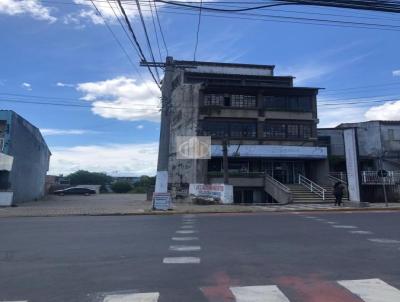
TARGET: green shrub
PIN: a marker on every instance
(121, 187)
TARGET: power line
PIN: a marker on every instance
(72, 105)
(141, 54)
(161, 31)
(28, 96)
(226, 4)
(146, 36)
(282, 19)
(279, 17)
(155, 31)
(355, 4)
(198, 31)
(276, 18)
(363, 87)
(219, 9)
(121, 47)
(123, 27)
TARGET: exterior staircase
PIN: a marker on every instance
(301, 194)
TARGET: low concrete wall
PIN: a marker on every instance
(277, 192)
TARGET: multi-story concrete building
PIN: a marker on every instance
(24, 160)
(376, 140)
(378, 149)
(270, 126)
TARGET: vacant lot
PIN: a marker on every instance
(81, 205)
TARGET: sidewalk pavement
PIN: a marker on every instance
(136, 204)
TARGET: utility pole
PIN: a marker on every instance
(382, 153)
(165, 128)
(225, 160)
(163, 148)
(383, 177)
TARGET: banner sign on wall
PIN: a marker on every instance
(350, 146)
(221, 192)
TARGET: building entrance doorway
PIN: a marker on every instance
(286, 172)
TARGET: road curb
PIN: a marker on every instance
(209, 212)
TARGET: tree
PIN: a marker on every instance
(144, 184)
(121, 187)
(83, 177)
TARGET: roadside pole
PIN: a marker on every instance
(382, 153)
(163, 148)
(383, 181)
(225, 160)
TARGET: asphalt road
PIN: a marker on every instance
(110, 259)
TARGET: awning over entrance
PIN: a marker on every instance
(272, 151)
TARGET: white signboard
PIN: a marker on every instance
(272, 151)
(161, 201)
(6, 199)
(221, 192)
(6, 162)
(350, 146)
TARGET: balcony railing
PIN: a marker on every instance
(371, 177)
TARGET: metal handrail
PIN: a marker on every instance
(278, 183)
(337, 179)
(342, 176)
(312, 186)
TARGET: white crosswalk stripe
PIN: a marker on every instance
(366, 290)
(184, 238)
(181, 260)
(141, 297)
(267, 293)
(372, 290)
(185, 232)
(185, 248)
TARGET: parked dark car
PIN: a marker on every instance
(75, 191)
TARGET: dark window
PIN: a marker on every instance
(215, 165)
(305, 131)
(243, 129)
(275, 130)
(287, 130)
(275, 102)
(215, 129)
(238, 100)
(214, 100)
(229, 128)
(288, 103)
(227, 101)
(293, 130)
(305, 103)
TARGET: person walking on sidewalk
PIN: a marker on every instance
(338, 191)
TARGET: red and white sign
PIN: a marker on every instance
(221, 192)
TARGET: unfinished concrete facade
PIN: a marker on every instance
(376, 139)
(378, 149)
(28, 154)
(270, 125)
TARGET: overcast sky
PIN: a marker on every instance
(64, 51)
